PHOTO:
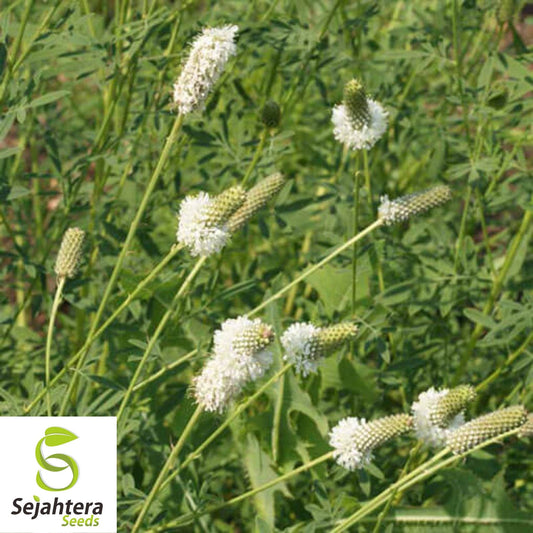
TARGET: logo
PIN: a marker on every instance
(55, 436)
(58, 474)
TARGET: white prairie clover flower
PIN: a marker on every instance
(485, 428)
(69, 255)
(359, 122)
(437, 413)
(404, 207)
(305, 344)
(209, 54)
(240, 355)
(202, 225)
(354, 439)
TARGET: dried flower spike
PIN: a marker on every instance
(437, 413)
(354, 439)
(359, 122)
(271, 114)
(69, 255)
(485, 428)
(256, 198)
(210, 51)
(404, 207)
(240, 355)
(203, 221)
(305, 345)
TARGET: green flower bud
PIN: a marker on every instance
(450, 405)
(224, 205)
(256, 198)
(69, 255)
(485, 428)
(356, 103)
(400, 209)
(271, 114)
(331, 338)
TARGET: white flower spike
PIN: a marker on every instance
(359, 122)
(210, 51)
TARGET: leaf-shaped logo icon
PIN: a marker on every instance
(56, 436)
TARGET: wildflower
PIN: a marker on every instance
(203, 221)
(256, 198)
(404, 207)
(305, 344)
(485, 428)
(437, 413)
(271, 114)
(69, 255)
(359, 122)
(210, 51)
(354, 439)
(240, 355)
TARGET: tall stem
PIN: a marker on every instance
(355, 222)
(157, 333)
(166, 467)
(49, 336)
(165, 154)
(256, 157)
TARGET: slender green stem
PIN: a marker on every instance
(49, 336)
(256, 157)
(424, 471)
(157, 333)
(494, 293)
(165, 154)
(173, 251)
(238, 410)
(376, 224)
(166, 467)
(355, 221)
(213, 508)
(462, 229)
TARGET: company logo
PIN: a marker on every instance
(58, 474)
(56, 436)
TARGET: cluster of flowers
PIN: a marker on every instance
(437, 418)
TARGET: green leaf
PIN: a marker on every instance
(56, 436)
(48, 98)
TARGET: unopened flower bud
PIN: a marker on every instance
(271, 114)
(305, 345)
(437, 413)
(356, 103)
(354, 439)
(485, 428)
(69, 255)
(256, 198)
(404, 207)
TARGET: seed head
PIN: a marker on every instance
(305, 345)
(485, 428)
(203, 221)
(69, 255)
(271, 114)
(437, 413)
(354, 439)
(210, 51)
(240, 355)
(404, 207)
(359, 122)
(256, 198)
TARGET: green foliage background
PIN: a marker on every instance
(85, 110)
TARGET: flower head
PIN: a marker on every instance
(305, 345)
(359, 122)
(404, 207)
(271, 114)
(354, 439)
(240, 355)
(210, 51)
(437, 413)
(527, 429)
(203, 221)
(485, 428)
(256, 198)
(69, 255)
